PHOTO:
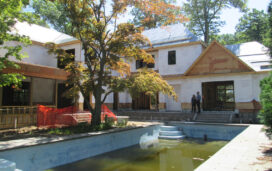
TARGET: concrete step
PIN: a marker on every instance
(217, 118)
(169, 128)
(212, 121)
(172, 137)
(213, 117)
(170, 133)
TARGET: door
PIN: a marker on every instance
(63, 101)
(171, 104)
(141, 102)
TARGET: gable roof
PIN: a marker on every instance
(253, 54)
(41, 34)
(169, 35)
(224, 50)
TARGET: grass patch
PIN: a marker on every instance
(80, 128)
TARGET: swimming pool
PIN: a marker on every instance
(161, 155)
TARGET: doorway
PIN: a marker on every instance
(63, 101)
(141, 102)
(171, 104)
(218, 96)
(115, 100)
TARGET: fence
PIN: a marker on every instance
(21, 116)
(17, 116)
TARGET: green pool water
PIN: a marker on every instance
(163, 155)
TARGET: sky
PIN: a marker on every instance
(231, 16)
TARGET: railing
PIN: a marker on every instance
(12, 117)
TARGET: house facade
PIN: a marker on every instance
(227, 77)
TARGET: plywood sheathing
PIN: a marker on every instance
(216, 59)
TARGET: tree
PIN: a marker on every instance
(10, 13)
(269, 42)
(226, 39)
(54, 14)
(204, 15)
(266, 96)
(108, 51)
(148, 20)
(253, 26)
(265, 114)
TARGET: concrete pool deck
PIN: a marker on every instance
(243, 153)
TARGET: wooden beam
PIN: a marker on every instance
(40, 71)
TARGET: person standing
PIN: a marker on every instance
(193, 102)
(198, 101)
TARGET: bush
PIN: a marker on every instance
(265, 114)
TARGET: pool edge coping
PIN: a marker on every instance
(28, 142)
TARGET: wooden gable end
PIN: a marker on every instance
(216, 59)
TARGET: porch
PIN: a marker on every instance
(43, 85)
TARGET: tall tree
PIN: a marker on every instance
(148, 20)
(265, 114)
(253, 26)
(108, 51)
(54, 14)
(9, 14)
(269, 42)
(204, 15)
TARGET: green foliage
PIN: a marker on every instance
(253, 26)
(265, 97)
(53, 13)
(204, 15)
(10, 12)
(269, 40)
(227, 39)
(80, 128)
(150, 82)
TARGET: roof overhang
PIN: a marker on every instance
(175, 45)
(40, 71)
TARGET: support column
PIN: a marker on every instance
(31, 92)
(56, 93)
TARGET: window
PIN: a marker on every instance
(17, 96)
(266, 66)
(140, 64)
(225, 92)
(172, 57)
(151, 65)
(62, 62)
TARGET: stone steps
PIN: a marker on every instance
(214, 118)
(171, 133)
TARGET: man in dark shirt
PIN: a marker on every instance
(198, 101)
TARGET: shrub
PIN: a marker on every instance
(265, 114)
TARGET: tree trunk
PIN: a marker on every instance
(96, 115)
(206, 25)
